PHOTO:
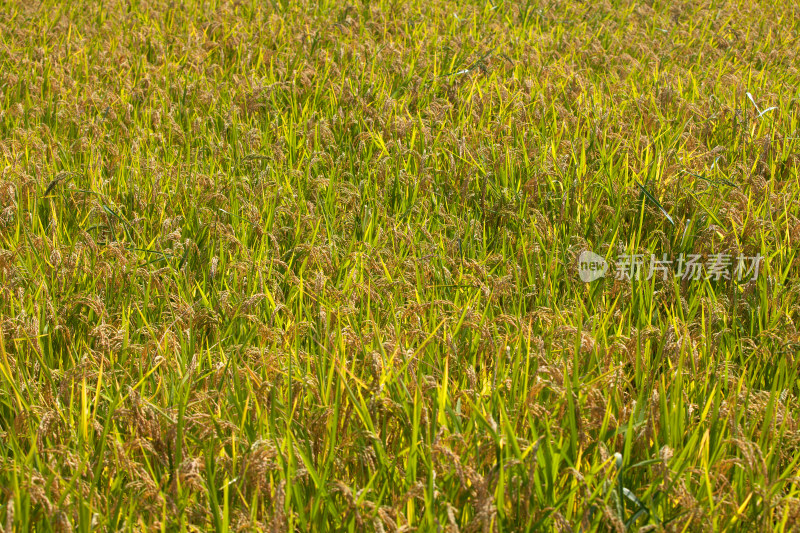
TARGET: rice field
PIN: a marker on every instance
(480, 266)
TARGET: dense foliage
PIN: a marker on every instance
(314, 266)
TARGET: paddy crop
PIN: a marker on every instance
(314, 266)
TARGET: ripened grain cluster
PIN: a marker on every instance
(313, 266)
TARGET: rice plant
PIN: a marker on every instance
(316, 266)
